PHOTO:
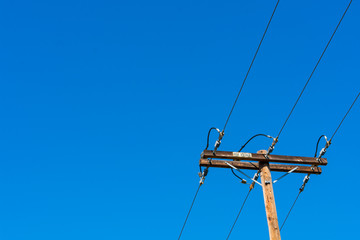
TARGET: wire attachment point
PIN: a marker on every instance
(323, 150)
(256, 177)
(202, 175)
(271, 148)
(218, 142)
(305, 181)
(208, 136)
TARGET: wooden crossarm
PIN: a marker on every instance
(255, 166)
(261, 157)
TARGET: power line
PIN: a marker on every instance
(323, 151)
(208, 136)
(345, 116)
(252, 62)
(242, 180)
(252, 185)
(257, 135)
(290, 211)
(317, 144)
(242, 206)
(327, 145)
(275, 139)
(322, 54)
(301, 189)
(306, 179)
(187, 216)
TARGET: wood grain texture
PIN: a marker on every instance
(269, 200)
(261, 158)
(255, 166)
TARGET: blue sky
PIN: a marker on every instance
(106, 106)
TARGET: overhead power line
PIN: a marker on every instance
(301, 189)
(327, 145)
(257, 135)
(252, 185)
(317, 144)
(306, 179)
(264, 168)
(251, 64)
(344, 117)
(187, 216)
(242, 206)
(282, 225)
(316, 65)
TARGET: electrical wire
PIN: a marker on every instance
(344, 116)
(208, 136)
(242, 206)
(257, 135)
(252, 62)
(303, 185)
(290, 210)
(187, 216)
(251, 186)
(243, 146)
(242, 180)
(313, 71)
(323, 151)
(237, 97)
(317, 144)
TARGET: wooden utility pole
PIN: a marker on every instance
(260, 161)
(269, 200)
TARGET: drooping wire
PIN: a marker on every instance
(251, 186)
(208, 136)
(243, 146)
(241, 179)
(313, 71)
(344, 116)
(317, 144)
(187, 216)
(252, 62)
(257, 135)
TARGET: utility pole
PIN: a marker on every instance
(261, 161)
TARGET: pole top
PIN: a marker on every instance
(261, 152)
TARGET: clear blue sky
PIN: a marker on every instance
(105, 107)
